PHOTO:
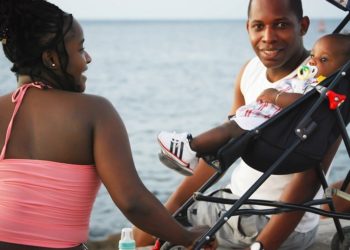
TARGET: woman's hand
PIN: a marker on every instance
(197, 232)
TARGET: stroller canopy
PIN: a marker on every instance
(342, 4)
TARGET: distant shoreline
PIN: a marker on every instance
(182, 20)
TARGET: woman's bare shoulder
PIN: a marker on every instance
(79, 106)
(98, 103)
(82, 100)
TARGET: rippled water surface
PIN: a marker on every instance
(164, 76)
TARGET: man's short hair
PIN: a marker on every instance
(295, 5)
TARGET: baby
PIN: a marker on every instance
(181, 151)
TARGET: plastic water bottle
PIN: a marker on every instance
(127, 241)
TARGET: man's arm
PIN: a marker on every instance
(238, 98)
(341, 205)
(303, 187)
(192, 183)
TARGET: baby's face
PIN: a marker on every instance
(327, 56)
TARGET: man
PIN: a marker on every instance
(276, 29)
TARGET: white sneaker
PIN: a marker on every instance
(176, 152)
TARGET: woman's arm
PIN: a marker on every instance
(116, 169)
(184, 191)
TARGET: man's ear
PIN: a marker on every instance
(50, 59)
(304, 25)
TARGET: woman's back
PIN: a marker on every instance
(50, 125)
(58, 143)
(47, 197)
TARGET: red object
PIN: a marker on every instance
(156, 245)
(335, 99)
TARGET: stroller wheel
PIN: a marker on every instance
(345, 245)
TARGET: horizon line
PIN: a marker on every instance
(182, 19)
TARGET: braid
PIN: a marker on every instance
(4, 15)
(27, 29)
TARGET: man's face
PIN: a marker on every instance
(275, 32)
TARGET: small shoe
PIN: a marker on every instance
(176, 152)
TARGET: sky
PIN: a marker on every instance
(178, 9)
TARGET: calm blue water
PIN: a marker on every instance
(164, 76)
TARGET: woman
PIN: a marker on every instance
(58, 143)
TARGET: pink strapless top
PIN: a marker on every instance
(44, 203)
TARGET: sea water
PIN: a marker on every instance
(164, 75)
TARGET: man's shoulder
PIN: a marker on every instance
(255, 61)
(253, 66)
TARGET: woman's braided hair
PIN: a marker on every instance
(27, 29)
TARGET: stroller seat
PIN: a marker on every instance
(309, 122)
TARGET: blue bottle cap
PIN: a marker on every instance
(127, 245)
(127, 241)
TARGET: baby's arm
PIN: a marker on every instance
(279, 98)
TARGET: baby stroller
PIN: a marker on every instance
(300, 135)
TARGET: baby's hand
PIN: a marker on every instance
(268, 95)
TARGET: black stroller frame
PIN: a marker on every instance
(304, 130)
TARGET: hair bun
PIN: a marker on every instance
(11, 11)
(6, 8)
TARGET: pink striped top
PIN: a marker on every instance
(44, 203)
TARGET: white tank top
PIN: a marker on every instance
(253, 82)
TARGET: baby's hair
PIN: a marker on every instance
(347, 38)
(27, 29)
(344, 40)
